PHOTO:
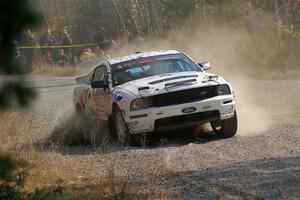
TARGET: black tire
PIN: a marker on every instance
(111, 125)
(139, 140)
(127, 139)
(225, 128)
(120, 127)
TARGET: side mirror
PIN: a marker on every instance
(98, 84)
(205, 66)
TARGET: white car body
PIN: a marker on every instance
(180, 113)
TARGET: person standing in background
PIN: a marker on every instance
(28, 40)
(66, 40)
(99, 52)
(62, 58)
(48, 39)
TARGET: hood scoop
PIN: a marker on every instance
(173, 78)
(143, 88)
(180, 82)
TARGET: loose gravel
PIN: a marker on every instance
(261, 164)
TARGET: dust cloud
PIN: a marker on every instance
(225, 48)
(74, 129)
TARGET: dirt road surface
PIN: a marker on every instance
(255, 164)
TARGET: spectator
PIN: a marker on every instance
(48, 39)
(87, 55)
(99, 35)
(28, 40)
(62, 58)
(48, 58)
(99, 52)
(113, 46)
(17, 55)
(66, 39)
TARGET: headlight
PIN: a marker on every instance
(223, 89)
(141, 103)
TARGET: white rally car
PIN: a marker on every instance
(156, 91)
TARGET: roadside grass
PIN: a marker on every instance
(17, 129)
(49, 169)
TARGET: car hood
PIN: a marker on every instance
(170, 83)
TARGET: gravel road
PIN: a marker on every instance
(262, 161)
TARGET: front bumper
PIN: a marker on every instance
(173, 117)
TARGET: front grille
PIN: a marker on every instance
(184, 96)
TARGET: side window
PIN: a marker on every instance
(100, 73)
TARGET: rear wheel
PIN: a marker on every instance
(225, 128)
(111, 125)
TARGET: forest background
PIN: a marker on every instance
(264, 33)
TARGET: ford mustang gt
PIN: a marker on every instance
(156, 91)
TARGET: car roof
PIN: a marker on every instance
(139, 55)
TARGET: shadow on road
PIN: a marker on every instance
(272, 178)
(77, 136)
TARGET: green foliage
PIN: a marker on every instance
(15, 16)
(12, 91)
(177, 11)
(230, 11)
(46, 194)
(89, 20)
(10, 192)
(13, 177)
(7, 166)
(94, 20)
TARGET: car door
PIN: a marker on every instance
(101, 97)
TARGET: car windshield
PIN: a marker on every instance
(151, 66)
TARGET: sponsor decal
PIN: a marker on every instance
(119, 98)
(145, 61)
(189, 110)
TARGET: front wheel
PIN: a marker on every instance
(225, 128)
(121, 128)
(122, 132)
